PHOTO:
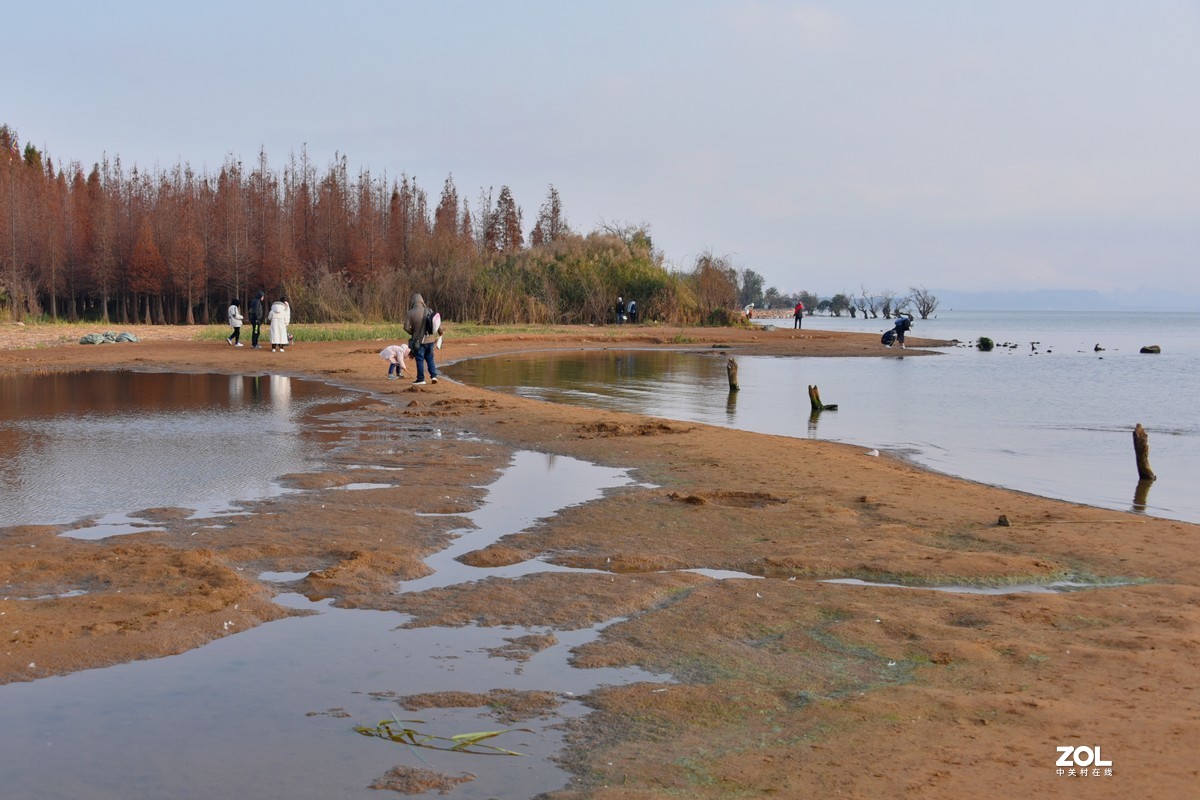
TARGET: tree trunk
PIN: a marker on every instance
(1141, 450)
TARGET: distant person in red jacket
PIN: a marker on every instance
(798, 315)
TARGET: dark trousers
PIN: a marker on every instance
(255, 325)
(236, 335)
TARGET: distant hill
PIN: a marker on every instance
(1067, 300)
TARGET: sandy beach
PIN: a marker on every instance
(786, 686)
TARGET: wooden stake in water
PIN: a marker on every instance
(1141, 449)
(731, 370)
(814, 400)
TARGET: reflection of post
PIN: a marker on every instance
(731, 404)
(1141, 495)
(813, 417)
(1141, 450)
(731, 371)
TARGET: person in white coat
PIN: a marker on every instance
(234, 316)
(280, 316)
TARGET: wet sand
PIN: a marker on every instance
(785, 685)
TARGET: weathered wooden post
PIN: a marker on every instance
(814, 400)
(1141, 449)
(731, 371)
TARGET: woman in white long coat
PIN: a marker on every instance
(280, 316)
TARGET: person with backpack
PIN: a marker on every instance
(419, 325)
(903, 324)
(798, 315)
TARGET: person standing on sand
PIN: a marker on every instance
(422, 341)
(633, 312)
(798, 314)
(235, 322)
(620, 310)
(280, 316)
(257, 312)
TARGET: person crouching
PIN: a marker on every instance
(395, 355)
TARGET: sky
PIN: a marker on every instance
(844, 146)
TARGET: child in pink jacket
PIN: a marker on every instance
(394, 354)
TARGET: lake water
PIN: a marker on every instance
(1050, 415)
(103, 444)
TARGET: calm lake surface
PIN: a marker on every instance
(104, 443)
(1050, 415)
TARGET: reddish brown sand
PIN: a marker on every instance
(786, 687)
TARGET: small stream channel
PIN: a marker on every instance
(270, 712)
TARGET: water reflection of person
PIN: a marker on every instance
(235, 390)
(281, 393)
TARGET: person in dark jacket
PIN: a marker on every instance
(421, 344)
(901, 327)
(257, 314)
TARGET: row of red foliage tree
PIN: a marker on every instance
(174, 246)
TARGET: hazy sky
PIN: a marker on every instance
(829, 146)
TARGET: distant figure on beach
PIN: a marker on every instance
(395, 354)
(798, 315)
(903, 324)
(749, 311)
(280, 316)
(620, 310)
(258, 313)
(632, 312)
(235, 322)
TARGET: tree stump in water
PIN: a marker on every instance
(731, 371)
(814, 399)
(1141, 449)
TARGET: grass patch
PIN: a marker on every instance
(383, 331)
(396, 730)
